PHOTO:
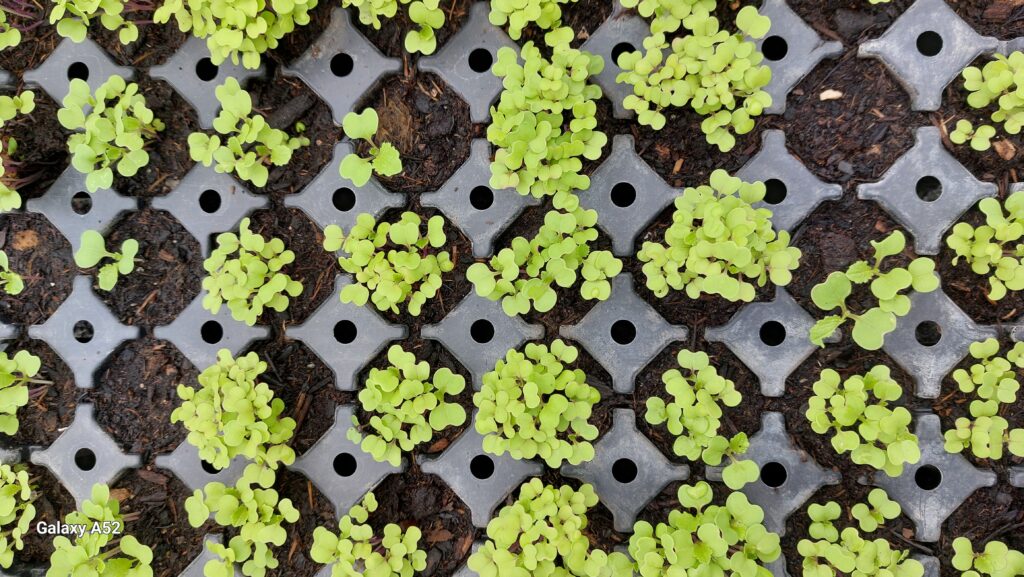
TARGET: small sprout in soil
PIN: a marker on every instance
(523, 276)
(1000, 81)
(404, 406)
(701, 538)
(518, 14)
(981, 137)
(10, 36)
(393, 263)
(245, 272)
(694, 417)
(93, 249)
(997, 560)
(719, 243)
(994, 248)
(384, 159)
(16, 373)
(994, 381)
(539, 150)
(250, 144)
(551, 520)
(232, 414)
(830, 552)
(16, 496)
(111, 128)
(858, 410)
(73, 18)
(354, 550)
(241, 30)
(255, 510)
(871, 326)
(718, 74)
(11, 281)
(11, 106)
(426, 13)
(103, 550)
(532, 405)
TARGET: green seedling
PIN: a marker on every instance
(865, 425)
(871, 326)
(73, 18)
(10, 35)
(16, 373)
(111, 130)
(10, 107)
(355, 551)
(518, 14)
(244, 271)
(996, 560)
(532, 405)
(980, 137)
(524, 276)
(255, 511)
(876, 511)
(393, 263)
(718, 243)
(233, 414)
(705, 539)
(249, 145)
(17, 493)
(93, 250)
(239, 30)
(10, 281)
(99, 552)
(404, 406)
(425, 13)
(541, 533)
(993, 380)
(994, 248)
(544, 122)
(384, 159)
(694, 417)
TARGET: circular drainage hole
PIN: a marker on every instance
(480, 60)
(211, 332)
(344, 199)
(208, 467)
(928, 477)
(929, 43)
(209, 201)
(623, 332)
(775, 191)
(929, 189)
(620, 49)
(81, 203)
(623, 194)
(82, 331)
(773, 474)
(206, 70)
(482, 331)
(78, 70)
(345, 332)
(85, 459)
(344, 464)
(624, 470)
(772, 333)
(775, 48)
(341, 65)
(482, 467)
(481, 198)
(928, 333)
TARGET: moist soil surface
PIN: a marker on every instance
(42, 256)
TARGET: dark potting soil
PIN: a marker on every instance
(51, 407)
(899, 532)
(437, 357)
(306, 385)
(314, 267)
(38, 40)
(286, 102)
(168, 270)
(315, 510)
(169, 159)
(848, 21)
(745, 417)
(158, 499)
(42, 152)
(155, 45)
(414, 498)
(53, 503)
(990, 514)
(295, 45)
(1003, 19)
(454, 285)
(136, 392)
(390, 37)
(42, 256)
(583, 16)
(427, 121)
